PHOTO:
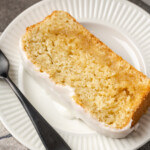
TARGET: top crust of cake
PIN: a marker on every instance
(106, 86)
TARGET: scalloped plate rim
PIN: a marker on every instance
(32, 7)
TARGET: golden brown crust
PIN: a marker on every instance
(140, 107)
(34, 25)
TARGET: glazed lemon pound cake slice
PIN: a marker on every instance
(108, 94)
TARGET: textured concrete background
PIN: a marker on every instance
(9, 9)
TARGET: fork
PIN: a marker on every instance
(49, 137)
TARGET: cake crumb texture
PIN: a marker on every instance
(106, 86)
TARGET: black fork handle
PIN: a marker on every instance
(49, 137)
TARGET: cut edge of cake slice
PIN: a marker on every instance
(66, 93)
(140, 108)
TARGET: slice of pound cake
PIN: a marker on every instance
(108, 93)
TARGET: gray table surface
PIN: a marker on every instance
(9, 9)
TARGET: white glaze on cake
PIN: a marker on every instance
(63, 94)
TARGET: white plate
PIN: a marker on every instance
(124, 27)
